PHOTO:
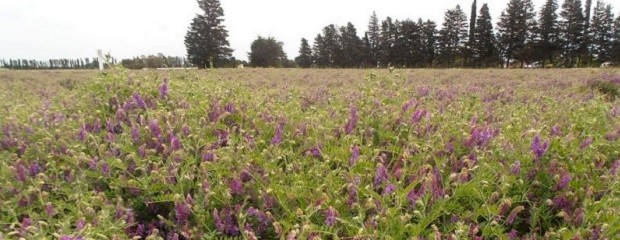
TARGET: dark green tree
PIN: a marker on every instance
(517, 28)
(389, 35)
(548, 31)
(304, 60)
(351, 47)
(266, 52)
(615, 54)
(206, 40)
(453, 36)
(472, 22)
(374, 38)
(601, 32)
(429, 42)
(571, 32)
(484, 47)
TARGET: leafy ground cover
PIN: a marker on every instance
(310, 154)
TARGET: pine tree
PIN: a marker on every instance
(304, 60)
(485, 50)
(572, 31)
(389, 34)
(206, 40)
(615, 54)
(472, 22)
(548, 31)
(602, 32)
(374, 37)
(429, 42)
(352, 46)
(321, 55)
(587, 42)
(453, 36)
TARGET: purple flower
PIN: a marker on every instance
(82, 134)
(185, 129)
(564, 181)
(409, 104)
(515, 168)
(135, 133)
(556, 131)
(414, 194)
(352, 191)
(586, 143)
(330, 216)
(154, 127)
(163, 89)
(479, 137)
(230, 107)
(614, 167)
(208, 157)
(138, 100)
(352, 122)
(418, 115)
(277, 138)
(49, 209)
(437, 184)
(539, 148)
(105, 169)
(182, 212)
(389, 189)
(175, 144)
(513, 234)
(21, 173)
(316, 151)
(513, 214)
(236, 186)
(381, 175)
(226, 222)
(34, 169)
(355, 155)
(79, 225)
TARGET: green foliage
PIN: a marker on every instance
(195, 154)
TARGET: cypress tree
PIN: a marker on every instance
(472, 22)
(485, 50)
(548, 31)
(453, 36)
(602, 32)
(374, 37)
(304, 59)
(572, 31)
(206, 40)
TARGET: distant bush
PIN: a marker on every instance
(609, 85)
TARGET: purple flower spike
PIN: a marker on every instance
(614, 167)
(182, 212)
(355, 155)
(564, 181)
(414, 194)
(80, 224)
(516, 168)
(154, 127)
(236, 186)
(586, 143)
(175, 143)
(352, 122)
(330, 216)
(138, 100)
(135, 133)
(389, 189)
(539, 148)
(163, 89)
(437, 184)
(418, 115)
(381, 175)
(277, 138)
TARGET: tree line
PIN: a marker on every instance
(571, 35)
(29, 64)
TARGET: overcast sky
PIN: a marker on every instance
(42, 29)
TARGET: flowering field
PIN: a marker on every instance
(311, 154)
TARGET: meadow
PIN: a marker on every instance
(310, 154)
